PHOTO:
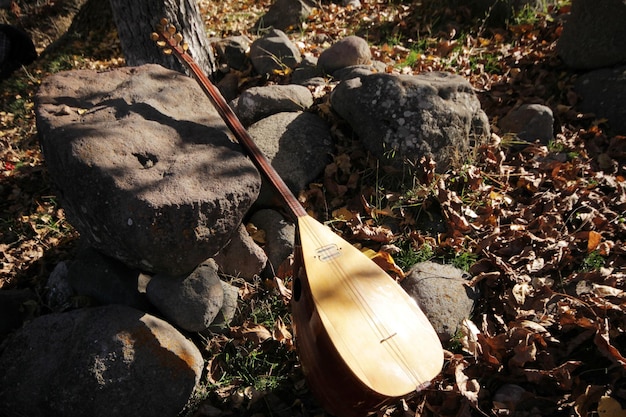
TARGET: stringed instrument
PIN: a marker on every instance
(363, 342)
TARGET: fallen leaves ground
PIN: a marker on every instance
(541, 227)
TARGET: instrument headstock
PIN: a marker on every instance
(169, 39)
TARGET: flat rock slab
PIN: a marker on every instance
(144, 165)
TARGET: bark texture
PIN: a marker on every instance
(135, 21)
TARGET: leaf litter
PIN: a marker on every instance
(545, 224)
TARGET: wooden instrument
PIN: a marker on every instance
(362, 340)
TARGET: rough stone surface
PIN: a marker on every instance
(143, 175)
(279, 236)
(530, 122)
(284, 14)
(603, 92)
(100, 362)
(274, 52)
(257, 103)
(191, 303)
(228, 310)
(105, 280)
(441, 293)
(353, 71)
(60, 291)
(308, 73)
(229, 86)
(233, 50)
(14, 309)
(349, 51)
(242, 257)
(433, 114)
(593, 35)
(298, 146)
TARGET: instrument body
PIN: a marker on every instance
(362, 340)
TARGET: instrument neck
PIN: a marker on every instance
(245, 140)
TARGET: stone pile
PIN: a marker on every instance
(149, 175)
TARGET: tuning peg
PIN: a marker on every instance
(185, 46)
(154, 36)
(178, 37)
(163, 21)
(171, 29)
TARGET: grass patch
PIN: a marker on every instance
(593, 262)
(410, 256)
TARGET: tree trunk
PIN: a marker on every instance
(135, 21)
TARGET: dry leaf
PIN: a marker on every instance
(594, 240)
(252, 332)
(284, 291)
(469, 388)
(282, 334)
(385, 261)
(610, 407)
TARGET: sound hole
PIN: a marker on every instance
(297, 289)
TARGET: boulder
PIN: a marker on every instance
(349, 51)
(106, 280)
(143, 175)
(274, 52)
(228, 310)
(242, 257)
(279, 236)
(603, 92)
(100, 362)
(257, 103)
(16, 306)
(284, 15)
(593, 35)
(530, 122)
(16, 49)
(308, 73)
(192, 302)
(233, 51)
(441, 292)
(60, 291)
(400, 117)
(298, 145)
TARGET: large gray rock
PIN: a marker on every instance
(233, 50)
(228, 310)
(530, 122)
(441, 292)
(603, 92)
(349, 51)
(279, 236)
(15, 307)
(298, 146)
(191, 303)
(105, 280)
(257, 103)
(242, 257)
(285, 14)
(593, 35)
(143, 175)
(100, 362)
(433, 114)
(274, 52)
